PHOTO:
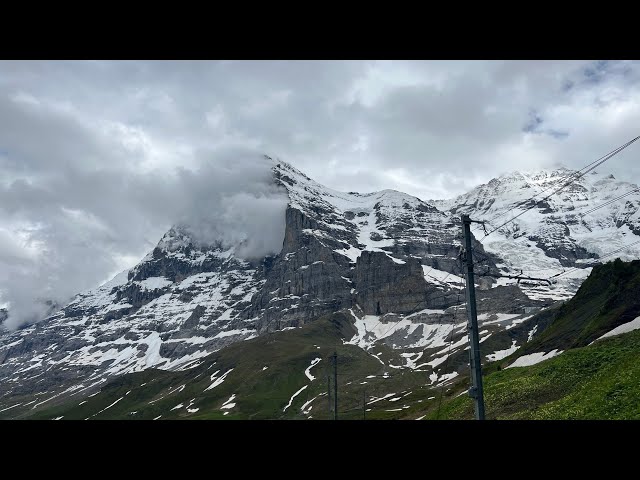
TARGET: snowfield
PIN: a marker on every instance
(534, 358)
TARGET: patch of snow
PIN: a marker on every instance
(411, 362)
(12, 406)
(381, 398)
(532, 332)
(306, 404)
(292, 397)
(624, 328)
(442, 378)
(440, 277)
(229, 333)
(501, 318)
(518, 321)
(534, 358)
(231, 398)
(105, 408)
(153, 283)
(307, 372)
(500, 354)
(219, 380)
(351, 253)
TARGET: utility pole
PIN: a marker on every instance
(476, 391)
(329, 393)
(364, 404)
(335, 385)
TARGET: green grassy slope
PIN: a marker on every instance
(263, 393)
(609, 297)
(597, 381)
(600, 381)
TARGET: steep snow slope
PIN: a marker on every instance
(559, 233)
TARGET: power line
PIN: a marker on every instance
(595, 260)
(572, 178)
(518, 277)
(523, 276)
(524, 202)
(485, 257)
(609, 202)
(576, 174)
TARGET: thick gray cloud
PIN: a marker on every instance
(77, 228)
(98, 159)
(232, 201)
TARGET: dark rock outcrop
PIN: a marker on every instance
(383, 286)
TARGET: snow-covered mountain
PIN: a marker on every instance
(559, 233)
(387, 258)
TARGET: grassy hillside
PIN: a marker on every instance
(600, 381)
(597, 381)
(264, 393)
(609, 297)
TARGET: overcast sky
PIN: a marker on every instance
(97, 157)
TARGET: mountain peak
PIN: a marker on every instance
(302, 188)
(380, 258)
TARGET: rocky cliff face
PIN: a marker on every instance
(386, 257)
(387, 287)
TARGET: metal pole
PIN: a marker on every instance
(335, 385)
(364, 404)
(329, 393)
(476, 391)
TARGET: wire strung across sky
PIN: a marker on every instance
(609, 202)
(596, 260)
(566, 182)
(570, 179)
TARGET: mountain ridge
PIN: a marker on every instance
(386, 257)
